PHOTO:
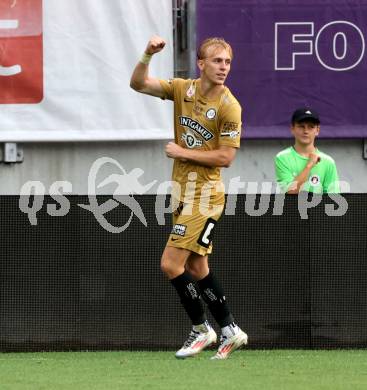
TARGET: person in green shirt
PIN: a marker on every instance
(303, 167)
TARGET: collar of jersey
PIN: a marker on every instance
(205, 99)
(300, 155)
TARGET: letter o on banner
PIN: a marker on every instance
(334, 42)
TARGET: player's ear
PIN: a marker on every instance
(200, 64)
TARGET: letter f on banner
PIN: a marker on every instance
(290, 41)
(15, 69)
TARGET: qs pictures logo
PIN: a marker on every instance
(21, 51)
(127, 185)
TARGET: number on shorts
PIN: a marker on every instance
(205, 238)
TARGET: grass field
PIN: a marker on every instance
(263, 370)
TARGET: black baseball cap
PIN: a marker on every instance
(305, 114)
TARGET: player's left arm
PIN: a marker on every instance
(221, 157)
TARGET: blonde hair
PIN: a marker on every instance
(218, 42)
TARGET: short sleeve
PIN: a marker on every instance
(331, 182)
(230, 126)
(168, 88)
(283, 174)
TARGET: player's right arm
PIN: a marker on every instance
(288, 183)
(301, 179)
(140, 80)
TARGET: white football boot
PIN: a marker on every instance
(199, 338)
(229, 343)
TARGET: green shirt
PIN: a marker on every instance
(323, 177)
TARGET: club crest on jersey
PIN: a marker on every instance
(190, 140)
(314, 180)
(192, 124)
(211, 113)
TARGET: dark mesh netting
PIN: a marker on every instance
(67, 283)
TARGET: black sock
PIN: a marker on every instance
(190, 297)
(213, 295)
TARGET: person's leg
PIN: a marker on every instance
(210, 288)
(212, 293)
(197, 266)
(173, 265)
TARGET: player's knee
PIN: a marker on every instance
(193, 270)
(169, 268)
(165, 268)
(197, 271)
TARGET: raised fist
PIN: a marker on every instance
(155, 45)
(314, 158)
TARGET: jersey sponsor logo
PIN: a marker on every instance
(191, 141)
(211, 113)
(198, 110)
(314, 180)
(179, 230)
(230, 126)
(230, 129)
(231, 134)
(196, 126)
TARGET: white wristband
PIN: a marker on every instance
(145, 58)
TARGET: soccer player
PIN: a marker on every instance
(303, 167)
(207, 124)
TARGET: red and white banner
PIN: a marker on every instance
(21, 38)
(65, 68)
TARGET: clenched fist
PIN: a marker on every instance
(155, 45)
(313, 158)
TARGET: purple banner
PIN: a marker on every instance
(289, 54)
